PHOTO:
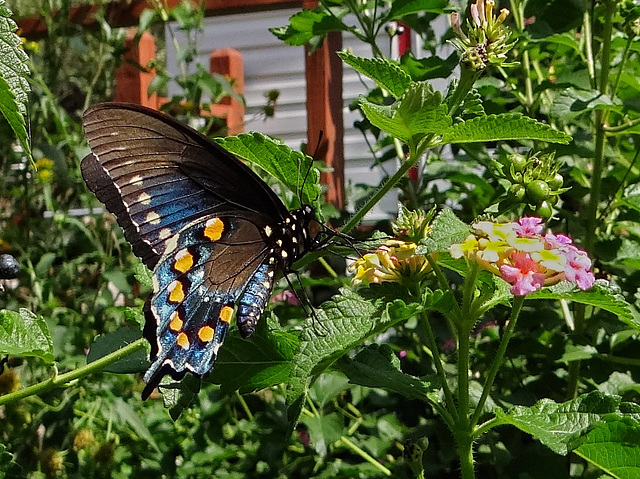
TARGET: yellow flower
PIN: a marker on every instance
(395, 261)
(44, 168)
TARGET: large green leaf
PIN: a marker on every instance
(400, 8)
(261, 361)
(419, 112)
(14, 87)
(288, 166)
(385, 73)
(24, 334)
(614, 446)
(344, 322)
(601, 295)
(560, 426)
(378, 367)
(507, 126)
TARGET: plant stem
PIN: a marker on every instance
(497, 361)
(465, 450)
(431, 343)
(65, 379)
(365, 456)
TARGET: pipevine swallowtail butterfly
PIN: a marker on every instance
(214, 234)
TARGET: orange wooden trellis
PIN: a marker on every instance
(323, 74)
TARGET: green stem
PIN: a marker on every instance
(371, 460)
(65, 379)
(437, 361)
(497, 361)
(467, 79)
(377, 196)
(465, 451)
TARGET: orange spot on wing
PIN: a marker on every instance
(226, 313)
(213, 229)
(184, 261)
(205, 334)
(176, 292)
(183, 341)
(176, 323)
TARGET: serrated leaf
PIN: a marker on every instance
(613, 446)
(401, 8)
(507, 126)
(601, 295)
(110, 342)
(378, 367)
(308, 26)
(13, 59)
(345, 322)
(419, 112)
(288, 166)
(446, 229)
(559, 426)
(252, 364)
(386, 74)
(24, 334)
(10, 109)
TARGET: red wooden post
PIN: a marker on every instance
(324, 111)
(132, 83)
(228, 62)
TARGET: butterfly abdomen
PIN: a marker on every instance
(254, 300)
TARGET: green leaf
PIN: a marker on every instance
(401, 8)
(345, 322)
(614, 447)
(110, 342)
(324, 430)
(378, 367)
(559, 426)
(507, 126)
(308, 26)
(446, 229)
(261, 361)
(10, 109)
(419, 112)
(14, 87)
(8, 468)
(602, 296)
(13, 60)
(24, 334)
(572, 102)
(385, 73)
(288, 166)
(131, 417)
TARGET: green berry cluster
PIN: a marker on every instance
(535, 182)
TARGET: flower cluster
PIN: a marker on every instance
(487, 39)
(395, 261)
(524, 257)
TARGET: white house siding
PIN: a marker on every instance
(271, 64)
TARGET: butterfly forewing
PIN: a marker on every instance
(212, 230)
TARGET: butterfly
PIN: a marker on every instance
(213, 232)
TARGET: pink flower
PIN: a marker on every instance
(525, 276)
(578, 269)
(558, 241)
(529, 226)
(286, 296)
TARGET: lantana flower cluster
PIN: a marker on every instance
(523, 256)
(395, 261)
